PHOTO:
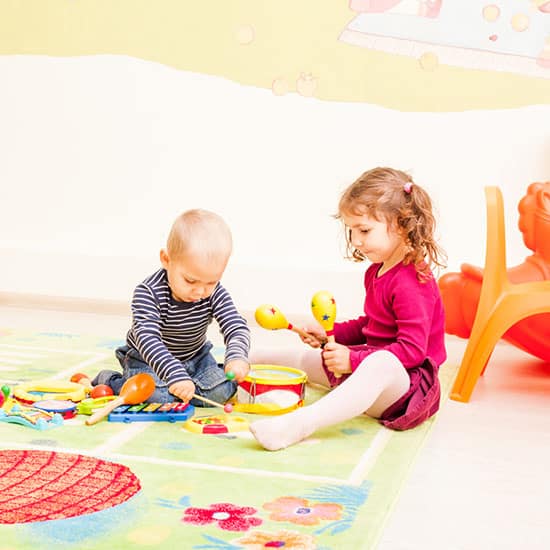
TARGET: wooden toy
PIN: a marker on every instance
(29, 416)
(48, 389)
(135, 390)
(271, 318)
(216, 424)
(271, 389)
(153, 412)
(323, 307)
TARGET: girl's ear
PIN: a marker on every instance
(164, 258)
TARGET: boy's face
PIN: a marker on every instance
(191, 278)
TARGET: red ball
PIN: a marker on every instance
(101, 390)
(228, 408)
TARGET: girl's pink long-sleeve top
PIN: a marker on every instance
(402, 315)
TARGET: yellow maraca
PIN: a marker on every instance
(323, 307)
(272, 318)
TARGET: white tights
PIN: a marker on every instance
(378, 382)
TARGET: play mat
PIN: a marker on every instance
(158, 485)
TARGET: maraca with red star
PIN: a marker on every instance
(272, 318)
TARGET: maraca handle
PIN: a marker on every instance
(330, 338)
(299, 331)
(102, 413)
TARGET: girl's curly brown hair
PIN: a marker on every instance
(391, 195)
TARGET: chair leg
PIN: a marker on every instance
(474, 362)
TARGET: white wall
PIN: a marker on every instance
(99, 154)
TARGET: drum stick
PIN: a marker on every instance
(209, 401)
(227, 407)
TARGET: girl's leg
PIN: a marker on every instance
(378, 382)
(308, 360)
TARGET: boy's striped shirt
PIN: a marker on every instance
(166, 332)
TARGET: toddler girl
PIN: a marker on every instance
(384, 363)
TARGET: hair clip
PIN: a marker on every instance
(408, 187)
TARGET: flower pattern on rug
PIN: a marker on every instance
(350, 498)
(280, 539)
(257, 540)
(300, 511)
(228, 516)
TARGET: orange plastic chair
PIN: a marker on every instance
(501, 302)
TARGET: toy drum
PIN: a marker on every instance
(271, 389)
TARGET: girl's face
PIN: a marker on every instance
(191, 279)
(375, 239)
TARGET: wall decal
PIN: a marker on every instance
(500, 36)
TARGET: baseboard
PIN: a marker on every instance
(63, 303)
(93, 306)
(74, 282)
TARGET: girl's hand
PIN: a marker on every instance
(316, 336)
(239, 368)
(184, 390)
(336, 357)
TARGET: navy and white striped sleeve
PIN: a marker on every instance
(148, 337)
(235, 331)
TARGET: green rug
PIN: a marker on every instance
(222, 492)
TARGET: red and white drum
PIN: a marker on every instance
(271, 389)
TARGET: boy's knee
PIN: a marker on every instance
(110, 378)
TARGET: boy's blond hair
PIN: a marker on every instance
(199, 233)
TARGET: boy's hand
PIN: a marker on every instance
(239, 368)
(316, 336)
(184, 390)
(336, 358)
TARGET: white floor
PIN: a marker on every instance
(482, 481)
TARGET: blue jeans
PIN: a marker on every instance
(209, 377)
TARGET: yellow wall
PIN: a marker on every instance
(263, 43)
